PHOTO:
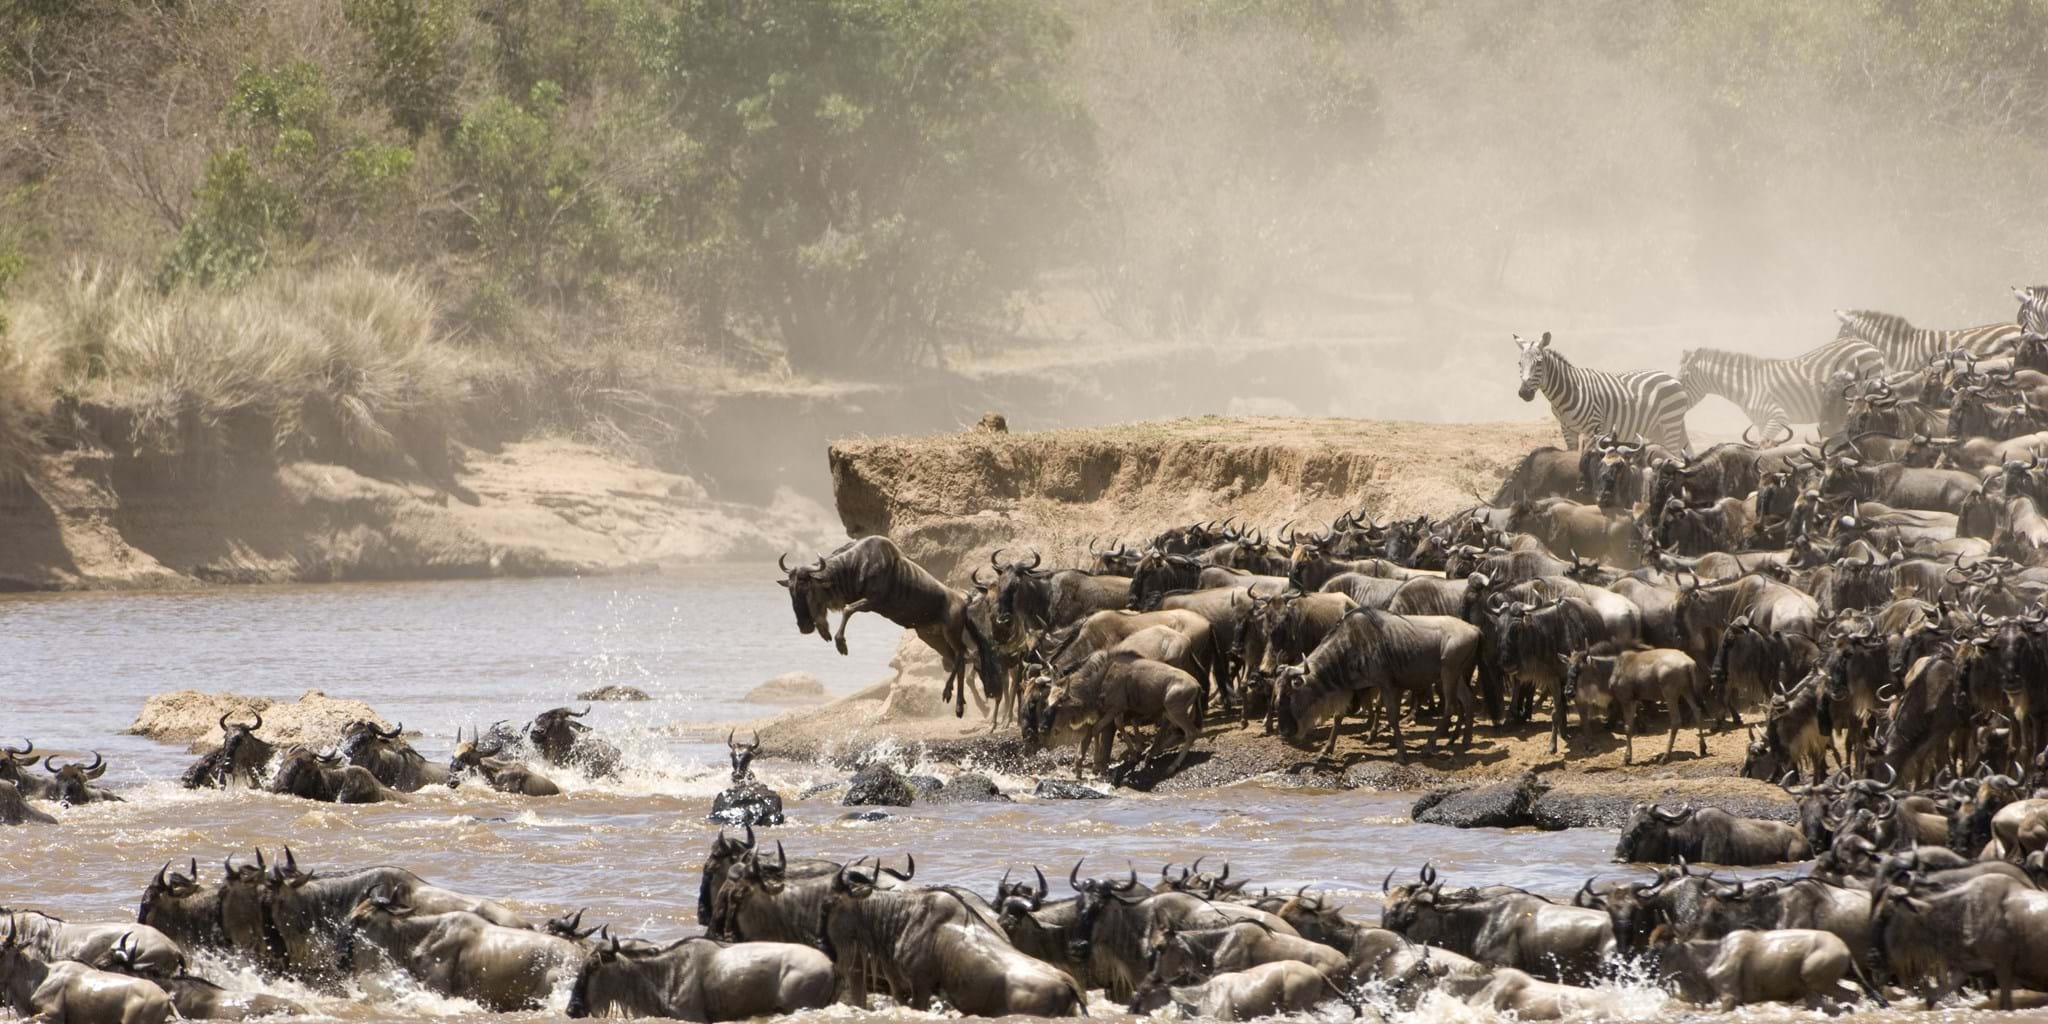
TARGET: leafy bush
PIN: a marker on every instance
(876, 173)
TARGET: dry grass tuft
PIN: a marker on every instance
(344, 362)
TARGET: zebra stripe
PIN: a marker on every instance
(1907, 348)
(1777, 392)
(2033, 316)
(1647, 404)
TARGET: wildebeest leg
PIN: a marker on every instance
(845, 614)
(1330, 748)
(1556, 713)
(1391, 700)
(1105, 736)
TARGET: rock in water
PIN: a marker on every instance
(879, 785)
(968, 788)
(788, 688)
(613, 693)
(1066, 789)
(1499, 805)
(748, 803)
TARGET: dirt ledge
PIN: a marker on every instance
(950, 499)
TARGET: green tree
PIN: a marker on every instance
(866, 177)
(413, 65)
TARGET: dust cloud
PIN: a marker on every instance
(1398, 186)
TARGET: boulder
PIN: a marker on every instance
(1589, 804)
(613, 693)
(788, 688)
(926, 785)
(879, 785)
(1497, 805)
(193, 717)
(968, 788)
(748, 803)
(1066, 789)
(864, 816)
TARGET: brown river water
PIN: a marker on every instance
(75, 669)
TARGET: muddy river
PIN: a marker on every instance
(76, 669)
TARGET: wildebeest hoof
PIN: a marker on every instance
(840, 643)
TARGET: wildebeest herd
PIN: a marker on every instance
(786, 934)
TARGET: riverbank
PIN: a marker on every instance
(901, 719)
(84, 520)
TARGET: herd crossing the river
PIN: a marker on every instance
(1866, 606)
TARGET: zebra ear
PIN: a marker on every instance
(1842, 315)
(1543, 342)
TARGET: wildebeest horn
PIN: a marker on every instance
(1042, 887)
(974, 576)
(577, 714)
(396, 731)
(994, 559)
(1428, 873)
(1074, 876)
(1387, 881)
(27, 748)
(782, 562)
(1036, 558)
(98, 766)
(782, 859)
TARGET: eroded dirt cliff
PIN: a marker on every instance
(951, 499)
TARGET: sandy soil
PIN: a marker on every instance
(190, 716)
(544, 507)
(951, 499)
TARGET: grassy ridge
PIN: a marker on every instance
(343, 362)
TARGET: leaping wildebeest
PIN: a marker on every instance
(873, 575)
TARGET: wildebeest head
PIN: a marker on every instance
(469, 754)
(1010, 579)
(742, 755)
(1532, 365)
(243, 757)
(810, 592)
(1018, 898)
(1620, 484)
(725, 852)
(556, 731)
(1293, 704)
(74, 781)
(173, 898)
(1407, 903)
(1645, 838)
(1210, 885)
(12, 761)
(1096, 893)
(1172, 959)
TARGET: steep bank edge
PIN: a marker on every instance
(951, 499)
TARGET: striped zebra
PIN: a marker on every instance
(1646, 404)
(1777, 393)
(2033, 308)
(1907, 348)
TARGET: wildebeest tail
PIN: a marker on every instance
(1863, 980)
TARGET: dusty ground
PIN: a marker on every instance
(190, 716)
(951, 499)
(544, 507)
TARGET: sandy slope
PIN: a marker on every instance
(542, 507)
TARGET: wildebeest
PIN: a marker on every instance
(565, 742)
(73, 783)
(14, 765)
(242, 759)
(1032, 600)
(698, 979)
(67, 991)
(458, 953)
(388, 757)
(15, 810)
(1267, 990)
(1707, 835)
(1990, 926)
(1602, 676)
(748, 801)
(52, 938)
(308, 916)
(1391, 655)
(1112, 691)
(873, 575)
(931, 942)
(313, 776)
(1781, 965)
(479, 755)
(1507, 928)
